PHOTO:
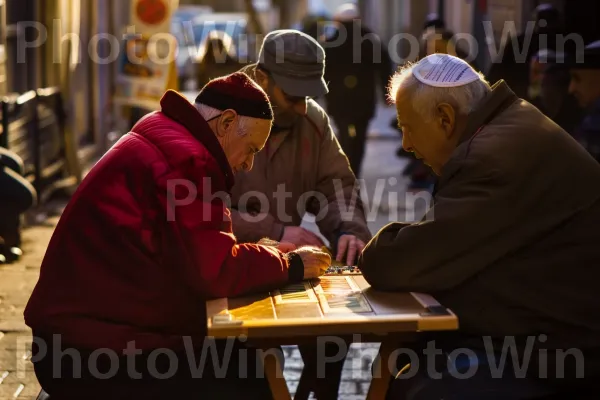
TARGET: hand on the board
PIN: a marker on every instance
(315, 261)
(349, 247)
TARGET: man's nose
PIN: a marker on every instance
(300, 106)
(249, 163)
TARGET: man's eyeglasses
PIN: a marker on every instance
(215, 117)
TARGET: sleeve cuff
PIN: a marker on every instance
(295, 268)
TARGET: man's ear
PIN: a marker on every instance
(227, 122)
(447, 118)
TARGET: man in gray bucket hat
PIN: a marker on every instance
(303, 157)
(302, 154)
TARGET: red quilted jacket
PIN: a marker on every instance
(126, 264)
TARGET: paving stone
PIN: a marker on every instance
(350, 387)
(11, 360)
(16, 386)
(16, 340)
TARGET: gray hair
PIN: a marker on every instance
(426, 98)
(209, 112)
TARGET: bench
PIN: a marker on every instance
(33, 126)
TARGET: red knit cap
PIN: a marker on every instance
(237, 92)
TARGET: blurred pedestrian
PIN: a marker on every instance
(585, 86)
(549, 89)
(442, 42)
(357, 70)
(17, 196)
(216, 58)
(513, 66)
(315, 26)
(433, 22)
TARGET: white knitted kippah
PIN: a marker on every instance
(444, 70)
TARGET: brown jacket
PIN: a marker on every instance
(307, 171)
(512, 242)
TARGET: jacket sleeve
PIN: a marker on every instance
(471, 225)
(338, 207)
(252, 228)
(199, 243)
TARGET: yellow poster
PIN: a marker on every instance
(146, 66)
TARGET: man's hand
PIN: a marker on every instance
(349, 246)
(300, 237)
(315, 261)
(286, 247)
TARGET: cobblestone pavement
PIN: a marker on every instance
(17, 380)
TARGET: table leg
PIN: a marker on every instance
(381, 373)
(274, 374)
(305, 385)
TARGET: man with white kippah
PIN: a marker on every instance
(510, 245)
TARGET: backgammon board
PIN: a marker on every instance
(332, 304)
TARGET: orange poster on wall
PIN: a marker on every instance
(152, 16)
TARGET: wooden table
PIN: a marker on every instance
(334, 305)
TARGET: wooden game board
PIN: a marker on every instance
(340, 305)
(335, 304)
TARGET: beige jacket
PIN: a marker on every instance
(300, 170)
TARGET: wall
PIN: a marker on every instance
(414, 14)
(3, 82)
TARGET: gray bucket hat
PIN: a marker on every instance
(296, 62)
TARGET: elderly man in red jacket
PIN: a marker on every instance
(144, 242)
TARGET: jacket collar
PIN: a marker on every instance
(497, 101)
(500, 98)
(179, 109)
